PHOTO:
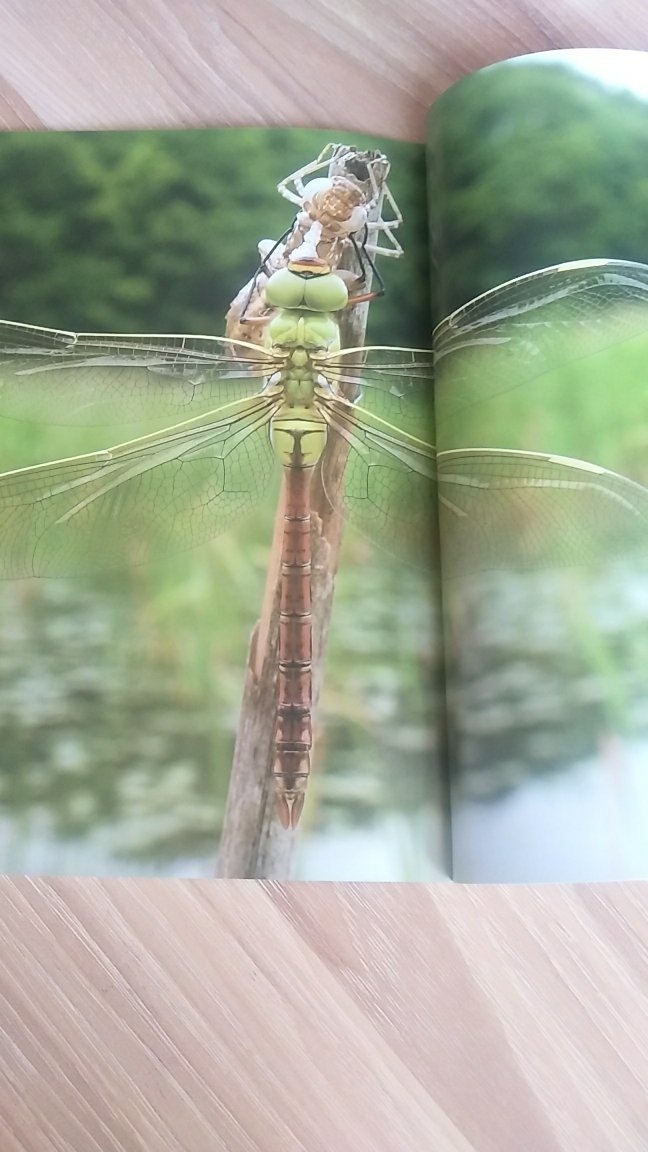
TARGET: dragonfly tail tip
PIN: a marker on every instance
(289, 803)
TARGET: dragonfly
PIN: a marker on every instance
(238, 411)
(528, 510)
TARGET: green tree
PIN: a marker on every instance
(530, 165)
(157, 231)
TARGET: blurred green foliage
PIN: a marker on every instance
(530, 165)
(157, 231)
(592, 407)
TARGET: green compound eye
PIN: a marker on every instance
(286, 289)
(326, 294)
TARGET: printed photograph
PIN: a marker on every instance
(219, 638)
(539, 214)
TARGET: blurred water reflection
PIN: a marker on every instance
(117, 729)
(549, 725)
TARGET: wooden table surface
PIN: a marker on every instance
(249, 1017)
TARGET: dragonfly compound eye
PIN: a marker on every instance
(284, 290)
(316, 293)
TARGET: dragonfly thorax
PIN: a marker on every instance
(298, 381)
(311, 331)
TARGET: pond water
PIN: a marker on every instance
(548, 716)
(118, 713)
(119, 703)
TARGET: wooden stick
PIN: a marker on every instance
(253, 843)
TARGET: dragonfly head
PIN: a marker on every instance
(308, 285)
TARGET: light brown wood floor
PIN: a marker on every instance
(200, 1016)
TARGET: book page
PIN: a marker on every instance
(539, 209)
(132, 579)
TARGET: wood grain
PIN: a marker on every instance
(242, 1016)
(373, 65)
(168, 1016)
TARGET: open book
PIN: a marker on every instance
(201, 327)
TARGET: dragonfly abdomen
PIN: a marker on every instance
(294, 739)
(298, 434)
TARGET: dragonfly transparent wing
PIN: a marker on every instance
(388, 484)
(533, 324)
(393, 383)
(498, 508)
(139, 500)
(526, 510)
(82, 378)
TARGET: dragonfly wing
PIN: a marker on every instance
(392, 383)
(526, 510)
(533, 324)
(139, 500)
(386, 435)
(86, 379)
(388, 484)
